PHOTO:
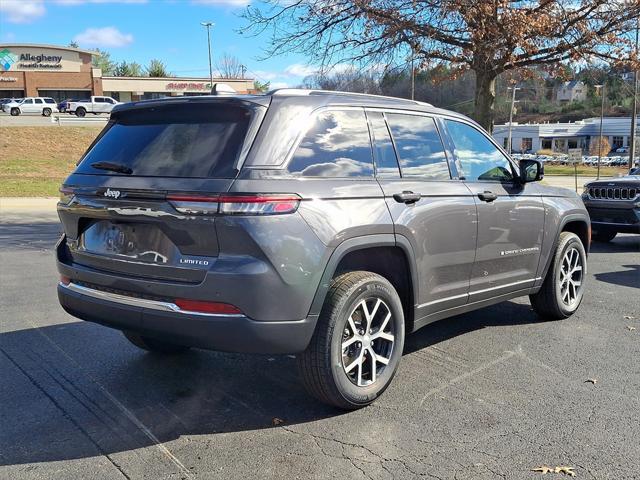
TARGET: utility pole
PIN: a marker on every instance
(634, 107)
(513, 102)
(413, 76)
(243, 69)
(602, 90)
(208, 26)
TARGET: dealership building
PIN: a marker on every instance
(560, 137)
(30, 70)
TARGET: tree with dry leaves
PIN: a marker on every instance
(230, 67)
(599, 146)
(488, 37)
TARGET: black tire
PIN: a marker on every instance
(321, 364)
(46, 112)
(62, 110)
(80, 112)
(15, 112)
(548, 302)
(153, 345)
(603, 235)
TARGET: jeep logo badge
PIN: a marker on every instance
(112, 193)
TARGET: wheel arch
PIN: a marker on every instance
(576, 223)
(387, 255)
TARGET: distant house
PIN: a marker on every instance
(573, 91)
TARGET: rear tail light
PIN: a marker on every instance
(260, 204)
(194, 204)
(65, 280)
(199, 306)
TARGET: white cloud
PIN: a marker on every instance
(274, 85)
(222, 3)
(103, 38)
(300, 70)
(22, 11)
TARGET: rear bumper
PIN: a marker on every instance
(230, 333)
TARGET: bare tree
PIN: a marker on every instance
(230, 67)
(488, 37)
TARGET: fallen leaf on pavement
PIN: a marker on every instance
(275, 421)
(565, 470)
(591, 380)
(630, 328)
(543, 470)
(561, 469)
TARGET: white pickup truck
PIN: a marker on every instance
(93, 105)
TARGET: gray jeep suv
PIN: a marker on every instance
(324, 224)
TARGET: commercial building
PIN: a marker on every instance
(560, 137)
(30, 70)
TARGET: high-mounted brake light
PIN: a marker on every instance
(200, 306)
(259, 204)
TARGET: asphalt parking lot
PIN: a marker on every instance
(491, 394)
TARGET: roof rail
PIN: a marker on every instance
(302, 92)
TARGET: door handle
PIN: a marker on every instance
(487, 196)
(406, 197)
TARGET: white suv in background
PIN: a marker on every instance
(42, 105)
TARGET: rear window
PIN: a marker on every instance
(195, 140)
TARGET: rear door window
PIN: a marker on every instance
(384, 153)
(336, 145)
(194, 140)
(419, 146)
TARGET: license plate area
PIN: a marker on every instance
(137, 242)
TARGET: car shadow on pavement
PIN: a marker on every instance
(620, 244)
(502, 314)
(626, 278)
(78, 390)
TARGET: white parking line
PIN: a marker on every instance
(128, 413)
(466, 375)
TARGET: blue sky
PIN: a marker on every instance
(139, 30)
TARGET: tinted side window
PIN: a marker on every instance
(384, 153)
(49, 100)
(38, 100)
(478, 158)
(336, 145)
(98, 100)
(419, 147)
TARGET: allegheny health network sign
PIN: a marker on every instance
(29, 61)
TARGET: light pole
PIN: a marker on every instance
(600, 135)
(413, 76)
(208, 26)
(634, 107)
(513, 101)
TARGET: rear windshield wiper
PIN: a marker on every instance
(114, 167)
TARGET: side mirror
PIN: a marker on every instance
(531, 171)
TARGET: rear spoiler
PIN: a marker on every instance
(261, 100)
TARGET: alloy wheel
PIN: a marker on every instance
(571, 274)
(367, 341)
